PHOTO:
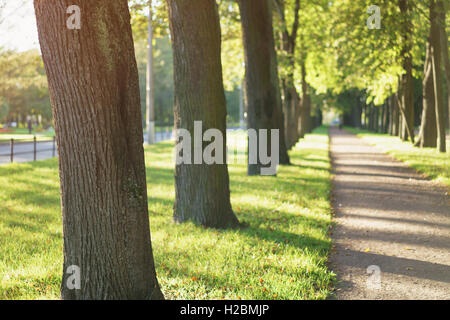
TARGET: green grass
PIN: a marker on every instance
(429, 161)
(23, 134)
(281, 255)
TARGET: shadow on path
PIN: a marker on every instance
(390, 217)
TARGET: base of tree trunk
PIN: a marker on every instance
(223, 220)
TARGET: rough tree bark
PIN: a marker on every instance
(94, 90)
(261, 75)
(202, 192)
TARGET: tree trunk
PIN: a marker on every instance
(395, 116)
(261, 75)
(356, 113)
(428, 128)
(298, 116)
(428, 133)
(436, 62)
(377, 118)
(445, 55)
(94, 89)
(306, 104)
(386, 117)
(202, 192)
(241, 105)
(407, 94)
(391, 113)
(291, 102)
(366, 110)
(371, 117)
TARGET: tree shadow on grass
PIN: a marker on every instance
(288, 238)
(20, 168)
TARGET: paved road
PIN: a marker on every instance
(388, 219)
(44, 149)
(23, 152)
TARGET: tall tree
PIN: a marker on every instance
(406, 81)
(432, 127)
(288, 43)
(261, 76)
(435, 36)
(305, 112)
(202, 190)
(444, 48)
(23, 85)
(94, 89)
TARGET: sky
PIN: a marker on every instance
(18, 25)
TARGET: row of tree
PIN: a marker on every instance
(94, 87)
(24, 93)
(295, 52)
(402, 81)
(23, 88)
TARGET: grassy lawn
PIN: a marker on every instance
(429, 161)
(22, 134)
(281, 255)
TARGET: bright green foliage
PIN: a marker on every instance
(232, 56)
(232, 46)
(139, 18)
(163, 74)
(347, 54)
(282, 254)
(4, 108)
(23, 85)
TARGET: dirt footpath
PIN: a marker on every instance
(392, 233)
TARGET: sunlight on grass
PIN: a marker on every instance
(281, 255)
(22, 134)
(429, 161)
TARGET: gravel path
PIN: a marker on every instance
(392, 232)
